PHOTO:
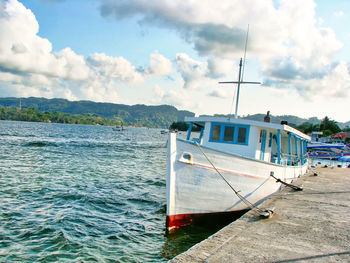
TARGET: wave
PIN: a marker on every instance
(40, 144)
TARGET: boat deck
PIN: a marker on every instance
(312, 225)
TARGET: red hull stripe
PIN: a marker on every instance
(176, 221)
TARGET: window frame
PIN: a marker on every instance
(212, 130)
(235, 134)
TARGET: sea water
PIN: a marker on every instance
(80, 193)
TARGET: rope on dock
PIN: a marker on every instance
(294, 187)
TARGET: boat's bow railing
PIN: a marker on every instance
(192, 132)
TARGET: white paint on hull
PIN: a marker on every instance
(194, 187)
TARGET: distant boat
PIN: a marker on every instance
(328, 150)
(329, 154)
(164, 131)
(119, 128)
(231, 166)
(344, 159)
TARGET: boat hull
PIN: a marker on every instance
(195, 187)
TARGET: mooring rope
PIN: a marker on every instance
(244, 200)
(294, 187)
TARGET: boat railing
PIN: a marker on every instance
(292, 159)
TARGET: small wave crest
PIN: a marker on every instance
(40, 144)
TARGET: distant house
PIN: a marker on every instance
(315, 136)
(341, 137)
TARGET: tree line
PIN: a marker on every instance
(33, 115)
(327, 127)
(154, 116)
(155, 120)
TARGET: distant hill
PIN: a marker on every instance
(344, 124)
(141, 115)
(291, 119)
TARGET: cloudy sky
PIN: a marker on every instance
(175, 52)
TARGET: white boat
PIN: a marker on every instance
(119, 128)
(330, 151)
(228, 155)
(329, 154)
(164, 131)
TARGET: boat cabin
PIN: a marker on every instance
(264, 141)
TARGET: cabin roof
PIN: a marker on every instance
(268, 125)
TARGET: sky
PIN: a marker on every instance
(175, 52)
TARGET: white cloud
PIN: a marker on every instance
(158, 93)
(219, 93)
(159, 65)
(335, 84)
(219, 67)
(338, 13)
(180, 98)
(115, 67)
(9, 77)
(193, 72)
(69, 65)
(29, 66)
(38, 80)
(284, 35)
(23, 51)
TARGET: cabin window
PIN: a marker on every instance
(228, 134)
(216, 133)
(242, 133)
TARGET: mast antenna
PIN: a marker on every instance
(245, 51)
(240, 76)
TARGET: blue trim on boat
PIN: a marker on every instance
(279, 146)
(189, 131)
(233, 154)
(235, 133)
(325, 146)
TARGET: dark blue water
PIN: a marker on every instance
(74, 193)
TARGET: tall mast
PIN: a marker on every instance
(240, 76)
(239, 82)
(238, 86)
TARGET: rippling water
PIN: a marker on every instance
(74, 193)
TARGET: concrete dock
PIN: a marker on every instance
(312, 225)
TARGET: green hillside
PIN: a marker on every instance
(140, 115)
(89, 112)
(291, 119)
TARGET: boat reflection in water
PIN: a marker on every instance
(185, 237)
